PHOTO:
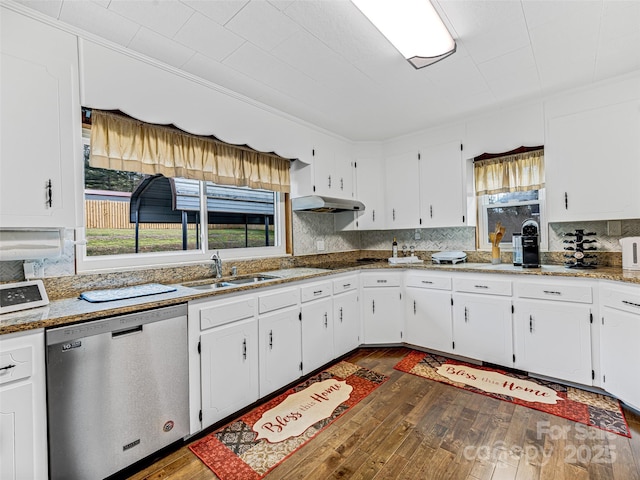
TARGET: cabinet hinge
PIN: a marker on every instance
(593, 374)
(200, 415)
(590, 317)
(514, 358)
(199, 347)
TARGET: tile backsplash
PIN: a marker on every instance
(309, 228)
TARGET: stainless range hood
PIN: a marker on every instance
(320, 204)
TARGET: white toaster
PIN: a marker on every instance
(630, 253)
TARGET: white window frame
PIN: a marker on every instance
(106, 263)
(483, 227)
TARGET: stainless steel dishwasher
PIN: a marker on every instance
(117, 391)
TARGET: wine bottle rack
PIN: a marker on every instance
(579, 249)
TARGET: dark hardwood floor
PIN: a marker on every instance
(413, 428)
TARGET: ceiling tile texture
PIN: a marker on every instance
(323, 61)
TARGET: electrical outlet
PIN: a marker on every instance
(416, 235)
(320, 245)
(614, 228)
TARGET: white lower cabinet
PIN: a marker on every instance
(346, 314)
(482, 325)
(223, 367)
(280, 349)
(317, 326)
(23, 426)
(382, 308)
(552, 329)
(429, 314)
(619, 334)
(553, 339)
(229, 359)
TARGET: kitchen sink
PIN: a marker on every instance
(232, 282)
(257, 278)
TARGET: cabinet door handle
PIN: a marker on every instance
(244, 349)
(466, 315)
(49, 194)
(329, 181)
(393, 214)
(340, 314)
(414, 307)
(342, 184)
(373, 215)
(530, 323)
(626, 302)
(566, 201)
(431, 211)
(326, 320)
(552, 292)
(270, 339)
(373, 306)
(7, 367)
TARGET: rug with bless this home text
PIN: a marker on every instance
(252, 445)
(578, 405)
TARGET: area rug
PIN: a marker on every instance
(578, 405)
(252, 445)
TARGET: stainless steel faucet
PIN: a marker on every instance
(217, 264)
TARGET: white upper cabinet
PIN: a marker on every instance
(442, 187)
(593, 164)
(402, 191)
(332, 174)
(40, 124)
(370, 191)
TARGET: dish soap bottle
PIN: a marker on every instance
(394, 248)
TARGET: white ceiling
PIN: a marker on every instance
(322, 61)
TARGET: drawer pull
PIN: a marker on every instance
(626, 302)
(466, 315)
(552, 292)
(270, 339)
(481, 286)
(381, 281)
(326, 320)
(7, 367)
(429, 282)
(346, 285)
(530, 323)
(244, 349)
(318, 292)
(340, 314)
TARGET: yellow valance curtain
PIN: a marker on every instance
(510, 173)
(123, 143)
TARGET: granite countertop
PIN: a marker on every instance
(73, 310)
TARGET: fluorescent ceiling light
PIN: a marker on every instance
(412, 26)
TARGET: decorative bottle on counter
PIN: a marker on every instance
(517, 249)
(394, 248)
